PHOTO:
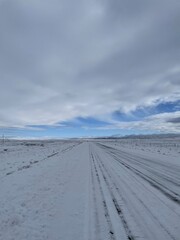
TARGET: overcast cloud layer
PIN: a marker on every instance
(62, 59)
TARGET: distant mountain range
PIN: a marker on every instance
(148, 136)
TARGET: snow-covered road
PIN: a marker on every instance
(88, 190)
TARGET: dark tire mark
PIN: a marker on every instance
(162, 188)
(106, 212)
(116, 204)
(142, 203)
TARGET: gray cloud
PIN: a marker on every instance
(174, 120)
(63, 59)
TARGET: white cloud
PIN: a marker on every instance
(163, 122)
(64, 59)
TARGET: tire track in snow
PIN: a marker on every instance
(147, 210)
(149, 213)
(124, 159)
(95, 208)
(104, 204)
(118, 226)
(117, 205)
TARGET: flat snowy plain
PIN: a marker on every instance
(90, 189)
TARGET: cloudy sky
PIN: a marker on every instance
(89, 67)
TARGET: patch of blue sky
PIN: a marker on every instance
(142, 112)
(69, 132)
(92, 127)
(85, 122)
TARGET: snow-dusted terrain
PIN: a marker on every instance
(90, 189)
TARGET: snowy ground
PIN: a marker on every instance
(90, 190)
